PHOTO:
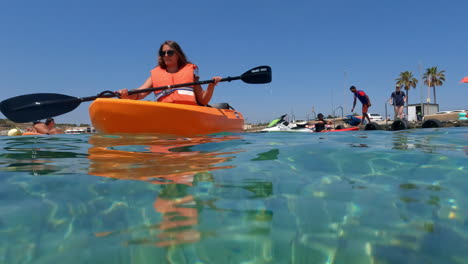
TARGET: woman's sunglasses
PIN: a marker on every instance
(169, 53)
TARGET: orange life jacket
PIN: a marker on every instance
(185, 95)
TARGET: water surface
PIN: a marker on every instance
(349, 197)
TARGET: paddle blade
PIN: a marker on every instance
(32, 107)
(260, 74)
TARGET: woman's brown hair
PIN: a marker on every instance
(175, 46)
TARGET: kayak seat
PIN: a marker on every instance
(221, 106)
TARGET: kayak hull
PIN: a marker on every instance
(308, 130)
(342, 130)
(31, 134)
(133, 116)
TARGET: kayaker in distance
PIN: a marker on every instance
(46, 128)
(174, 68)
(320, 123)
(366, 103)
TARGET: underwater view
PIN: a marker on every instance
(350, 197)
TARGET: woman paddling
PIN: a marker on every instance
(174, 68)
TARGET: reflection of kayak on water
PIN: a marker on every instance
(281, 125)
(185, 189)
(172, 163)
(160, 160)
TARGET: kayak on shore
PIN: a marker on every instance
(132, 116)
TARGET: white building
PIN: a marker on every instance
(420, 110)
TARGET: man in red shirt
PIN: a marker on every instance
(366, 103)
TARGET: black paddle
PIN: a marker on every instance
(32, 107)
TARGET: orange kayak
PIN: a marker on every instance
(343, 129)
(133, 116)
(32, 134)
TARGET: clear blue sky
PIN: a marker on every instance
(81, 48)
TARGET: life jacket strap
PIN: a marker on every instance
(169, 91)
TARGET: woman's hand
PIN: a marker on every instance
(216, 80)
(123, 93)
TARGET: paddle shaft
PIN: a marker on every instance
(91, 98)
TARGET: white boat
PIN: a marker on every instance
(280, 124)
(75, 131)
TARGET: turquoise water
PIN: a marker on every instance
(350, 197)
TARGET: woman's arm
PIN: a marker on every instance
(204, 97)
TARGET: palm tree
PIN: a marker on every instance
(433, 78)
(407, 80)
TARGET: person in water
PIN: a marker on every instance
(366, 103)
(320, 123)
(48, 127)
(174, 68)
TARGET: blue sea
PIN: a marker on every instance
(367, 197)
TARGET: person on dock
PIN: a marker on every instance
(364, 99)
(48, 127)
(398, 100)
(174, 68)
